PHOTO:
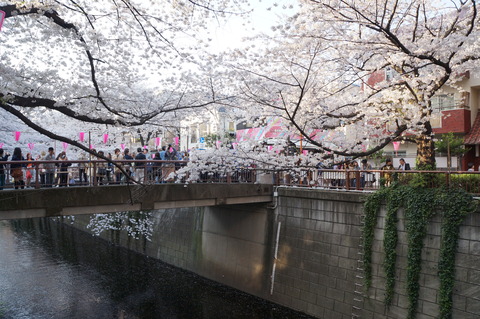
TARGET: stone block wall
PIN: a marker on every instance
(316, 266)
(317, 270)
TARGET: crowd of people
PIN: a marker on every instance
(57, 170)
(142, 166)
(363, 177)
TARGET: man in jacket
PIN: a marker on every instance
(404, 166)
(49, 167)
(3, 158)
(140, 166)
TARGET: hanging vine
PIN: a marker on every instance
(390, 244)
(419, 204)
(371, 209)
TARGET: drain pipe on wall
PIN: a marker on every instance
(277, 238)
(275, 257)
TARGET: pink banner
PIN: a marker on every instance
(176, 139)
(92, 146)
(65, 146)
(105, 138)
(305, 152)
(2, 17)
(396, 146)
(1, 145)
(31, 146)
(218, 143)
(17, 135)
(158, 141)
(81, 135)
(122, 146)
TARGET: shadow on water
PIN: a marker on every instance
(49, 270)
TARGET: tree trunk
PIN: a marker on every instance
(426, 149)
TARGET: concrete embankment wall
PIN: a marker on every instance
(316, 269)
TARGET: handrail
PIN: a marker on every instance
(91, 173)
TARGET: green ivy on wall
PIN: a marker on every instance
(419, 205)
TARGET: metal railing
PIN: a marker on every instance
(39, 174)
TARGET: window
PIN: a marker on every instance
(442, 102)
(389, 73)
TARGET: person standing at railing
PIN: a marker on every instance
(101, 169)
(388, 177)
(3, 158)
(353, 167)
(404, 166)
(16, 169)
(29, 171)
(169, 168)
(82, 169)
(366, 178)
(63, 169)
(128, 165)
(41, 170)
(117, 157)
(109, 169)
(49, 167)
(140, 166)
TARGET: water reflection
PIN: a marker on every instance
(48, 270)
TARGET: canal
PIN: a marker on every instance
(50, 270)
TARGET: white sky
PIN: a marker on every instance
(261, 21)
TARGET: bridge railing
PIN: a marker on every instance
(39, 174)
(58, 173)
(375, 179)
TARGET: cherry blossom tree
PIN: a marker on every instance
(317, 71)
(117, 63)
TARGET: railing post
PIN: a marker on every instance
(447, 179)
(357, 180)
(347, 179)
(229, 178)
(94, 174)
(37, 184)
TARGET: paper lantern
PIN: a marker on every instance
(2, 17)
(92, 146)
(145, 147)
(17, 135)
(105, 138)
(65, 146)
(270, 147)
(305, 152)
(122, 146)
(1, 145)
(158, 141)
(30, 146)
(218, 143)
(81, 135)
(396, 147)
(176, 140)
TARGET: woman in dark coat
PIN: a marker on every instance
(16, 169)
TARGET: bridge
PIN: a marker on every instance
(67, 201)
(163, 188)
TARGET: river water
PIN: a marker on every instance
(49, 270)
